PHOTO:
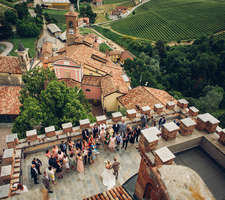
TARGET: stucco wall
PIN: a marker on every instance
(94, 93)
(110, 102)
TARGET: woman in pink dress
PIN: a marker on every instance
(48, 154)
(112, 143)
(80, 164)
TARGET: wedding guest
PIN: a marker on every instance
(70, 143)
(63, 147)
(85, 155)
(132, 137)
(95, 131)
(72, 161)
(106, 141)
(66, 163)
(80, 164)
(46, 182)
(112, 143)
(138, 132)
(48, 154)
(102, 126)
(55, 150)
(116, 128)
(79, 144)
(89, 155)
(37, 164)
(118, 141)
(123, 128)
(85, 134)
(85, 145)
(34, 173)
(125, 140)
(60, 156)
(50, 172)
(102, 135)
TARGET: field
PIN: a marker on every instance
(174, 20)
(27, 42)
(59, 16)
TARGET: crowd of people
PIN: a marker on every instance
(71, 155)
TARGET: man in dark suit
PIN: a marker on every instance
(116, 128)
(37, 164)
(115, 166)
(138, 132)
(63, 147)
(85, 134)
(34, 173)
(125, 140)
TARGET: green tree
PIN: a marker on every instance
(38, 10)
(35, 81)
(28, 27)
(6, 32)
(22, 10)
(46, 101)
(86, 11)
(10, 16)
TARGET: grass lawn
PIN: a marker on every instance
(27, 42)
(174, 20)
(59, 16)
(103, 47)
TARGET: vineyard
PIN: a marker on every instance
(174, 20)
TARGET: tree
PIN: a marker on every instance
(6, 32)
(10, 16)
(222, 120)
(29, 27)
(38, 10)
(46, 101)
(86, 11)
(22, 10)
(35, 81)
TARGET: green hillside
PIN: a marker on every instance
(171, 20)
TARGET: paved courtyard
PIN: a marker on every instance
(76, 186)
(5, 129)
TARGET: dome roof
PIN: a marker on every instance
(184, 183)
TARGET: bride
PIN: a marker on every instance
(108, 178)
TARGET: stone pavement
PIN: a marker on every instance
(76, 186)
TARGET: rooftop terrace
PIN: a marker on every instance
(76, 186)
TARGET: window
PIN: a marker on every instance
(87, 90)
(70, 24)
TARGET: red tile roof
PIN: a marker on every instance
(9, 101)
(126, 55)
(91, 80)
(70, 82)
(117, 193)
(108, 86)
(10, 64)
(144, 96)
(89, 57)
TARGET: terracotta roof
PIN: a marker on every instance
(89, 57)
(114, 193)
(10, 64)
(70, 82)
(125, 55)
(91, 80)
(89, 39)
(144, 96)
(115, 52)
(9, 101)
(108, 86)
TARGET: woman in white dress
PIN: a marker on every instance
(108, 178)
